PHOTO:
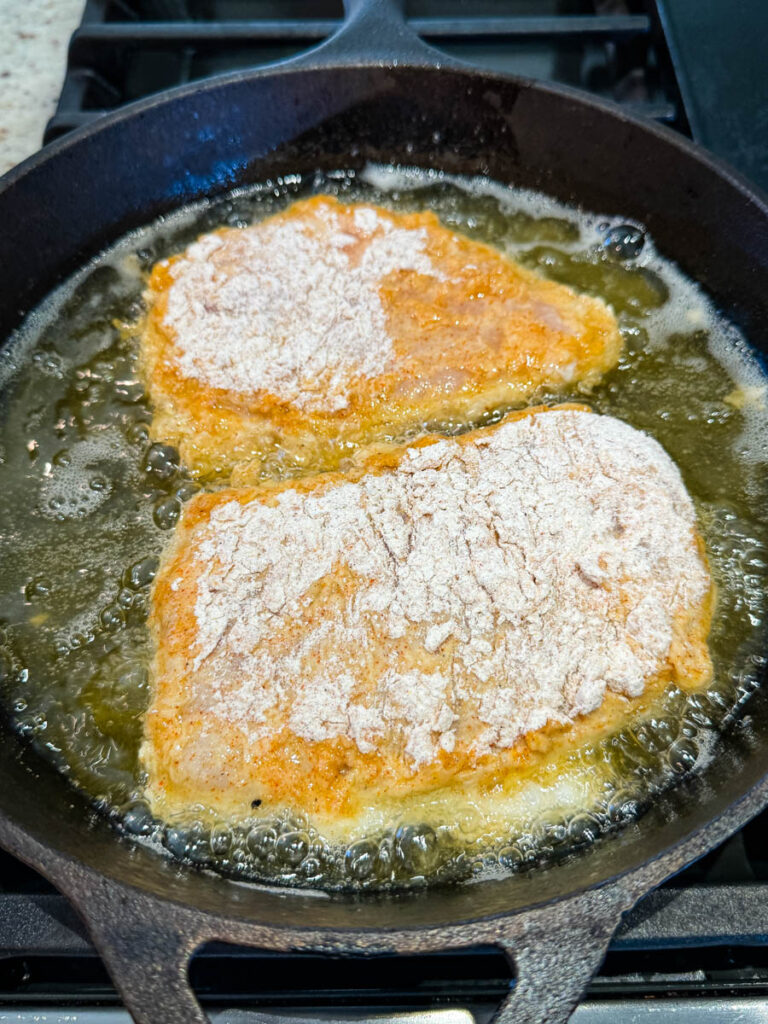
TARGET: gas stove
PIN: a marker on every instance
(696, 949)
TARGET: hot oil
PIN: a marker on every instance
(87, 502)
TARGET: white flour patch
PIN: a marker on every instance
(524, 574)
(292, 307)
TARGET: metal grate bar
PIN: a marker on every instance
(222, 32)
(613, 25)
(60, 124)
(203, 31)
(672, 918)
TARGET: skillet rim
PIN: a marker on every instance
(305, 63)
(313, 62)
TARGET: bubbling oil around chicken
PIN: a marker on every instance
(87, 502)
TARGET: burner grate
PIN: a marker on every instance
(667, 954)
(127, 49)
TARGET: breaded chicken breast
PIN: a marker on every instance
(438, 616)
(327, 327)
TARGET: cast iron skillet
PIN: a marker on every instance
(375, 92)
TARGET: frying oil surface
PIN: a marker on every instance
(86, 503)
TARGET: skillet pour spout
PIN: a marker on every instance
(375, 92)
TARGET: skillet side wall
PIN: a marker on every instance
(63, 207)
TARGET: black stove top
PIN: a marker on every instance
(694, 950)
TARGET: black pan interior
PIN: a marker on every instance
(82, 194)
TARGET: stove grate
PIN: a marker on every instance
(127, 49)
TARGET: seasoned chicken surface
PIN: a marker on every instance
(440, 615)
(327, 327)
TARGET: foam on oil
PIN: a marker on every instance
(86, 503)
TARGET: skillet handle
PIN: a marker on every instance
(146, 945)
(372, 31)
(555, 952)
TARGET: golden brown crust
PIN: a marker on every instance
(487, 333)
(333, 779)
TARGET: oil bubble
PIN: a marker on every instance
(138, 611)
(176, 841)
(360, 859)
(416, 849)
(138, 433)
(582, 830)
(186, 490)
(385, 858)
(292, 847)
(37, 588)
(112, 618)
(240, 861)
(624, 242)
(682, 755)
(221, 840)
(199, 851)
(161, 462)
(50, 363)
(141, 573)
(511, 858)
(622, 807)
(310, 868)
(137, 819)
(261, 841)
(700, 710)
(146, 256)
(166, 513)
